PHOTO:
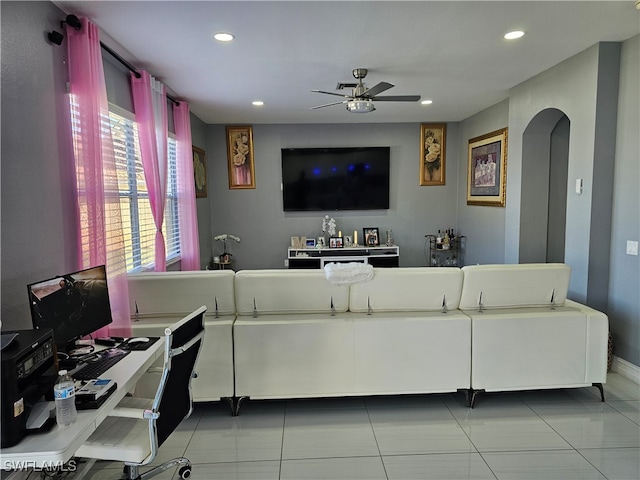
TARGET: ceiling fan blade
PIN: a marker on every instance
(397, 98)
(376, 89)
(331, 93)
(329, 104)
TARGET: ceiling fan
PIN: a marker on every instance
(362, 98)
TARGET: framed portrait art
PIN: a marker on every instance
(335, 242)
(200, 171)
(432, 153)
(487, 169)
(240, 157)
(371, 237)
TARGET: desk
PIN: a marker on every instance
(58, 446)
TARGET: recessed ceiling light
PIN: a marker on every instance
(426, 102)
(513, 35)
(258, 103)
(223, 36)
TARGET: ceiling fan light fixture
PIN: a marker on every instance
(360, 106)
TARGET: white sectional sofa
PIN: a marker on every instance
(292, 334)
(393, 339)
(526, 334)
(158, 299)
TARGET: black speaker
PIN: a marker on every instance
(55, 37)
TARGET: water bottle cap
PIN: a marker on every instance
(62, 372)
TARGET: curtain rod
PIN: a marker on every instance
(130, 67)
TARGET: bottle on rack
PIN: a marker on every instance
(65, 397)
(452, 239)
(439, 241)
(446, 241)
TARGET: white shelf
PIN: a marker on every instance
(383, 256)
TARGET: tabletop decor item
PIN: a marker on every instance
(371, 236)
(329, 226)
(225, 256)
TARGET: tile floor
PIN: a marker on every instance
(559, 435)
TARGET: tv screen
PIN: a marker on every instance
(73, 305)
(321, 179)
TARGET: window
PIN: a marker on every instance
(137, 221)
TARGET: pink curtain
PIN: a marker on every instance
(150, 104)
(188, 215)
(100, 236)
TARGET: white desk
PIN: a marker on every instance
(58, 446)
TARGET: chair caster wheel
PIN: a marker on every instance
(185, 472)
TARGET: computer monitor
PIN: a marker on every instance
(73, 305)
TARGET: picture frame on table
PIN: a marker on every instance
(336, 242)
(311, 243)
(240, 159)
(487, 169)
(371, 237)
(199, 171)
(433, 137)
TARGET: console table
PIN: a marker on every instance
(317, 257)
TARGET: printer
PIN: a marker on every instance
(29, 372)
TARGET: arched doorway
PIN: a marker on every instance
(543, 201)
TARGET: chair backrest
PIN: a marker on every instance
(174, 398)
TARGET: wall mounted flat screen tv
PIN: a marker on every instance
(324, 179)
(73, 305)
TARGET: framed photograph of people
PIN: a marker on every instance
(200, 171)
(432, 153)
(487, 169)
(335, 242)
(371, 237)
(240, 157)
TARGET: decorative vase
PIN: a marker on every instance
(389, 238)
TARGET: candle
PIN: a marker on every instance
(355, 237)
(339, 233)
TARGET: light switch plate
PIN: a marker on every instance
(632, 247)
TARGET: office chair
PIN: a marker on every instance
(137, 427)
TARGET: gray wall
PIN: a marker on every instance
(574, 87)
(257, 217)
(38, 231)
(624, 283)
(483, 226)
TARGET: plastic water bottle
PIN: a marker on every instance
(65, 397)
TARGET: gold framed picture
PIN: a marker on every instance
(240, 157)
(433, 153)
(200, 171)
(487, 169)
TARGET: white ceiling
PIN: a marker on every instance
(451, 52)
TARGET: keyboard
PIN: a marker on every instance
(95, 364)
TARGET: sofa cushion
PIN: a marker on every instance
(288, 291)
(506, 286)
(408, 289)
(175, 294)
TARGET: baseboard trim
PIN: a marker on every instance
(627, 369)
